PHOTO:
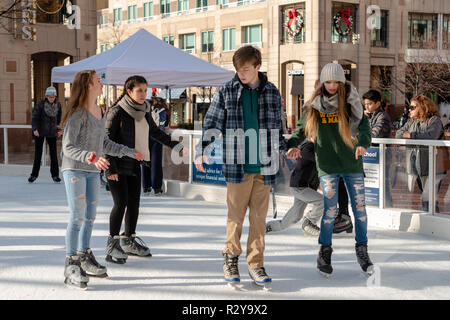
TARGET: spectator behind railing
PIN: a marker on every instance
(424, 123)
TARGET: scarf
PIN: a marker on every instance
(51, 109)
(329, 105)
(136, 111)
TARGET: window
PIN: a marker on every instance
(288, 17)
(208, 41)
(103, 20)
(446, 32)
(202, 5)
(242, 2)
(252, 35)
(164, 6)
(224, 3)
(422, 31)
(104, 47)
(345, 22)
(118, 15)
(183, 5)
(379, 37)
(229, 39)
(188, 42)
(169, 39)
(148, 10)
(132, 13)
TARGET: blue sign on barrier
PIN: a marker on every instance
(371, 161)
(214, 169)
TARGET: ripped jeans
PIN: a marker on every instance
(82, 189)
(354, 183)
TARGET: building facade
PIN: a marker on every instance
(35, 37)
(373, 40)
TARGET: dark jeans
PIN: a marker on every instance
(153, 177)
(126, 194)
(38, 147)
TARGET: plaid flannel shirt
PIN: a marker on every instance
(226, 113)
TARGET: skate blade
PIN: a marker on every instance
(115, 260)
(75, 286)
(101, 276)
(324, 274)
(264, 286)
(370, 271)
(137, 255)
(236, 286)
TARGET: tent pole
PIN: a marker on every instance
(107, 97)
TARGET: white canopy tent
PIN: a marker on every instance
(163, 65)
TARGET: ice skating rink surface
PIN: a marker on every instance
(186, 238)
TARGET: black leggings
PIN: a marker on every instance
(126, 194)
(343, 198)
(39, 144)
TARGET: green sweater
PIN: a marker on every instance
(332, 154)
(251, 115)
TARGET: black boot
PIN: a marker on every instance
(343, 222)
(363, 258)
(324, 260)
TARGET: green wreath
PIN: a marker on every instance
(294, 19)
(343, 22)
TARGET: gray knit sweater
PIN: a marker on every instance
(79, 140)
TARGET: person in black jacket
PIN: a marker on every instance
(130, 123)
(45, 120)
(304, 184)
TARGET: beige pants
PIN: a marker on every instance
(253, 194)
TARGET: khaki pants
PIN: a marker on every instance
(253, 194)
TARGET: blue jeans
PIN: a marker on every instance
(82, 196)
(354, 183)
(153, 177)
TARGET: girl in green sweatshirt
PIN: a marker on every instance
(335, 121)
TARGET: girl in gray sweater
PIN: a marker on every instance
(84, 143)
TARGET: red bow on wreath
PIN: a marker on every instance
(345, 14)
(292, 17)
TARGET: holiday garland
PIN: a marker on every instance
(294, 23)
(343, 22)
(41, 3)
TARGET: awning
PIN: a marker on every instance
(298, 85)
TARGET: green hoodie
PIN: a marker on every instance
(332, 154)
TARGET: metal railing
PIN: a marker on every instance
(381, 142)
(5, 128)
(432, 151)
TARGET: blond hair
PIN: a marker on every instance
(312, 116)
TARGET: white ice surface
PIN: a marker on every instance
(186, 238)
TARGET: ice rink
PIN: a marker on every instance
(186, 238)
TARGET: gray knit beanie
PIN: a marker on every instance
(332, 72)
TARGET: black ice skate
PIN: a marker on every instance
(114, 252)
(363, 258)
(343, 222)
(310, 228)
(324, 261)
